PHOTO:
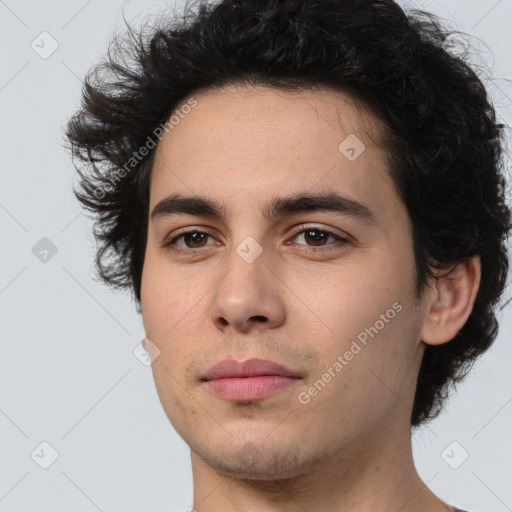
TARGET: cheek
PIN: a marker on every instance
(148, 290)
(178, 407)
(162, 298)
(369, 317)
(348, 300)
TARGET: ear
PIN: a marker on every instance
(451, 302)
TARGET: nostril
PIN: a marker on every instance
(261, 318)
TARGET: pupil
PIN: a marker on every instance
(194, 238)
(320, 238)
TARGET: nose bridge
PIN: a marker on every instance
(246, 267)
(247, 257)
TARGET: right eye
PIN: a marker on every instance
(191, 239)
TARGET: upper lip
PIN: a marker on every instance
(231, 368)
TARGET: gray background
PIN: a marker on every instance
(68, 375)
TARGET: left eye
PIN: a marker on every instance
(319, 237)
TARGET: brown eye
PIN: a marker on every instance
(191, 240)
(195, 239)
(316, 238)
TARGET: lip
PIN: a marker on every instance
(254, 379)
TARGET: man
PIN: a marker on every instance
(305, 199)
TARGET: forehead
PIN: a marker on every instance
(241, 143)
(220, 113)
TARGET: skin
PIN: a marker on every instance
(349, 448)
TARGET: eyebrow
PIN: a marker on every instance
(276, 208)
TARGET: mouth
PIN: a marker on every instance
(254, 379)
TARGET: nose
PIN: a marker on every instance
(248, 296)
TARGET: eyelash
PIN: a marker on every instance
(339, 240)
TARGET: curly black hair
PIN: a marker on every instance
(444, 144)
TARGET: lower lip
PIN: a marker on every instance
(249, 388)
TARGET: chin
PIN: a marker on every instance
(257, 460)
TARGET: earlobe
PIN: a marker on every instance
(451, 302)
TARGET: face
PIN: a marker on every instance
(322, 287)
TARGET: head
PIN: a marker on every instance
(256, 117)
